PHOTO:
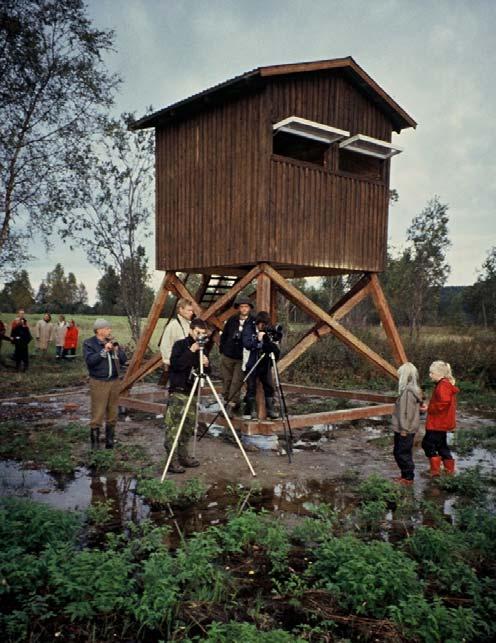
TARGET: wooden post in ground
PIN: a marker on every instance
(264, 291)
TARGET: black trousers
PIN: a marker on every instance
(21, 355)
(436, 443)
(263, 374)
(403, 446)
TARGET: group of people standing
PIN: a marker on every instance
(440, 420)
(247, 352)
(62, 334)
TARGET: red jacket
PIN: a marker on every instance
(71, 337)
(441, 412)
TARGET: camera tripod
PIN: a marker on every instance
(288, 434)
(197, 386)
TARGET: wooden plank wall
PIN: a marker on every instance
(212, 185)
(223, 200)
(326, 220)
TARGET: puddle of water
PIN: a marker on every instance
(290, 500)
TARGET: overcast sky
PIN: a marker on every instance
(436, 59)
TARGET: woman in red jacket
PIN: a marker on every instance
(71, 340)
(441, 418)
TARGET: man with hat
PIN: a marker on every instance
(231, 349)
(104, 358)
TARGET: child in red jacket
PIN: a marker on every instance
(441, 418)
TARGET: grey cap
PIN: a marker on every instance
(101, 323)
(243, 299)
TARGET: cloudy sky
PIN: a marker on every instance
(436, 59)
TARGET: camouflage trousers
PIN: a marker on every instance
(175, 410)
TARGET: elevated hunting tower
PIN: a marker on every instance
(281, 172)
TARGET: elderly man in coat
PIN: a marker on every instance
(44, 333)
(104, 359)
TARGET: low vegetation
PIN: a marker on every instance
(254, 578)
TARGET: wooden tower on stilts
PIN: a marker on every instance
(279, 173)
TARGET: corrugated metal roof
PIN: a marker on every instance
(253, 78)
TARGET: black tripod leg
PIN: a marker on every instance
(288, 434)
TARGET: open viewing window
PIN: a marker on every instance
(304, 140)
(364, 156)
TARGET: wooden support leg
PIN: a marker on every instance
(151, 322)
(264, 292)
(335, 327)
(387, 320)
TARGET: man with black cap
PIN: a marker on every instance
(103, 357)
(231, 349)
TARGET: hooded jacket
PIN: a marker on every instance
(441, 412)
(406, 415)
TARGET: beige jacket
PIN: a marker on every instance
(43, 333)
(60, 331)
(178, 328)
(406, 414)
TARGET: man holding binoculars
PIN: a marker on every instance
(104, 358)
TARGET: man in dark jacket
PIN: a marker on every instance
(231, 350)
(256, 340)
(104, 358)
(184, 359)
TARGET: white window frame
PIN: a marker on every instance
(310, 129)
(384, 150)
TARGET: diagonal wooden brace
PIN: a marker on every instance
(335, 327)
(354, 296)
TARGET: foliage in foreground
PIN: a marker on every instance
(246, 579)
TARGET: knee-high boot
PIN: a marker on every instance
(94, 436)
(269, 405)
(109, 436)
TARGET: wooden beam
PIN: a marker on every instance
(183, 291)
(387, 320)
(145, 369)
(151, 322)
(332, 417)
(338, 393)
(129, 402)
(337, 329)
(353, 297)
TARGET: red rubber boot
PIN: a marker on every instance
(449, 467)
(435, 465)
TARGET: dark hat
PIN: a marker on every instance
(243, 299)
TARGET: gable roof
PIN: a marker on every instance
(257, 78)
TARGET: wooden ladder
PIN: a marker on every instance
(215, 287)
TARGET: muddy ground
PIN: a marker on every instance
(320, 453)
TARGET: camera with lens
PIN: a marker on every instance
(202, 340)
(274, 333)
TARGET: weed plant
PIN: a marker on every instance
(160, 494)
(241, 580)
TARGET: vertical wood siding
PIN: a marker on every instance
(222, 199)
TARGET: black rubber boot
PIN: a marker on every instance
(246, 410)
(95, 437)
(253, 409)
(109, 436)
(269, 405)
